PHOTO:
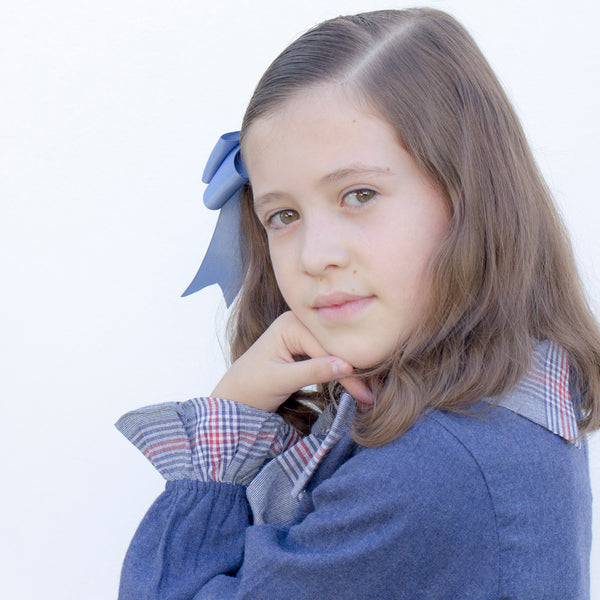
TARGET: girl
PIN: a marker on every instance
(399, 248)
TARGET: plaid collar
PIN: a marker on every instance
(546, 395)
(543, 396)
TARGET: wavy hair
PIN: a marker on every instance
(505, 274)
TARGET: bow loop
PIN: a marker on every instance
(225, 144)
(225, 179)
(225, 175)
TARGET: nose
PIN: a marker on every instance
(323, 245)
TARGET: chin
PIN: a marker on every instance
(364, 359)
(363, 349)
(364, 363)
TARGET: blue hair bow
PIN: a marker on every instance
(226, 175)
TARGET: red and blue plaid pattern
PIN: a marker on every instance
(560, 416)
(209, 439)
(302, 459)
(544, 394)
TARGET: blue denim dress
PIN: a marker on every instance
(492, 504)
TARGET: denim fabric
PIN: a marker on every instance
(486, 506)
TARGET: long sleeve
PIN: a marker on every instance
(369, 530)
(207, 449)
(193, 532)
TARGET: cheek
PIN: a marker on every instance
(284, 270)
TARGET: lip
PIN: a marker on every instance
(340, 305)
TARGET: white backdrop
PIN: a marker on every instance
(107, 113)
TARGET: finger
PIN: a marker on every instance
(298, 339)
(359, 390)
(316, 370)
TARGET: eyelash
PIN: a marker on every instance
(270, 218)
(362, 191)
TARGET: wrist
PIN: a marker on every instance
(227, 392)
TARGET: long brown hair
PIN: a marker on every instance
(505, 275)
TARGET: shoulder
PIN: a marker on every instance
(509, 448)
(498, 458)
(491, 485)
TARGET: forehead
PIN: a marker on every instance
(315, 132)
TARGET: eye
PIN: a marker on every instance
(281, 218)
(358, 197)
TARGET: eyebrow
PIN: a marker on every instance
(354, 169)
(330, 178)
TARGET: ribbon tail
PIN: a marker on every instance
(222, 263)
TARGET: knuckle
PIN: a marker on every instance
(320, 371)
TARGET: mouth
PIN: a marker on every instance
(340, 305)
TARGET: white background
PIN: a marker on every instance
(107, 113)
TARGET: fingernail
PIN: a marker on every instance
(341, 367)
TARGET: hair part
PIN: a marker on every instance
(505, 274)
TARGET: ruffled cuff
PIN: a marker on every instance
(207, 439)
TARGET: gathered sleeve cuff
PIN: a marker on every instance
(207, 439)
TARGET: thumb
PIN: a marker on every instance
(359, 390)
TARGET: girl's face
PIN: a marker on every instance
(352, 223)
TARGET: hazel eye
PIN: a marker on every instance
(282, 218)
(358, 197)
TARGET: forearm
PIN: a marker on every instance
(193, 532)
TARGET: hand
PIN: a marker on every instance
(267, 374)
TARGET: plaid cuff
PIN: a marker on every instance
(208, 439)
